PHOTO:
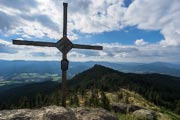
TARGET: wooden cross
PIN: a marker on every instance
(64, 45)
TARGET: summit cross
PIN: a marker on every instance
(64, 45)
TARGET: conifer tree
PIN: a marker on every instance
(104, 101)
(24, 103)
(178, 107)
(76, 100)
(38, 100)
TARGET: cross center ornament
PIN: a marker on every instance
(64, 45)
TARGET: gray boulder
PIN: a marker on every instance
(124, 108)
(46, 113)
(57, 113)
(93, 114)
(143, 114)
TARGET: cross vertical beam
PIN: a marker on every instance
(65, 5)
(64, 67)
(64, 58)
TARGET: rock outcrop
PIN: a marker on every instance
(124, 108)
(57, 113)
(143, 114)
(93, 114)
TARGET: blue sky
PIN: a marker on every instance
(126, 36)
(128, 30)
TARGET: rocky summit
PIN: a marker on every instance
(57, 113)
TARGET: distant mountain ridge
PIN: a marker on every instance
(9, 68)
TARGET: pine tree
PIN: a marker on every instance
(82, 92)
(86, 101)
(71, 100)
(57, 98)
(38, 100)
(24, 102)
(178, 107)
(104, 101)
(126, 98)
(119, 96)
(94, 99)
(76, 100)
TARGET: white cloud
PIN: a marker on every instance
(160, 15)
(100, 16)
(37, 18)
(42, 18)
(132, 53)
(140, 42)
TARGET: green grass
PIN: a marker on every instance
(172, 115)
(136, 99)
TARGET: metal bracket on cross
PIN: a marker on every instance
(64, 45)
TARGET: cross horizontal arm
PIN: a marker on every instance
(87, 47)
(34, 43)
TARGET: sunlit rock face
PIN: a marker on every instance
(57, 113)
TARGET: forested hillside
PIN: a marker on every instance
(162, 90)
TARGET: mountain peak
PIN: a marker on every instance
(98, 66)
(101, 67)
(94, 73)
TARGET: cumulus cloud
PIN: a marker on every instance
(29, 18)
(7, 22)
(148, 53)
(160, 15)
(140, 42)
(44, 18)
(39, 19)
(100, 16)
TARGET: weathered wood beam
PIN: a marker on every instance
(65, 5)
(87, 47)
(34, 43)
